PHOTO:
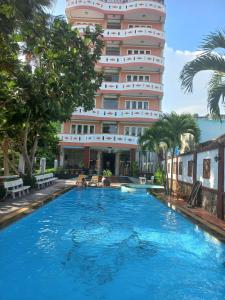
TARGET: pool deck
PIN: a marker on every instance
(13, 209)
(206, 220)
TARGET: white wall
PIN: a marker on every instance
(184, 177)
(212, 182)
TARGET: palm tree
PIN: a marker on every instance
(212, 58)
(175, 126)
(156, 140)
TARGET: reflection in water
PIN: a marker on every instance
(101, 267)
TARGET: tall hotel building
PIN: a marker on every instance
(130, 97)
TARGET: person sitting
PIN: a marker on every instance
(83, 182)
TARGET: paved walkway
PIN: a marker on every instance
(10, 205)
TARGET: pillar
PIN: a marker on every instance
(99, 162)
(132, 155)
(117, 164)
(42, 165)
(195, 165)
(61, 158)
(21, 167)
(220, 200)
(86, 157)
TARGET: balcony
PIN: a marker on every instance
(118, 114)
(118, 6)
(121, 34)
(131, 59)
(90, 139)
(131, 87)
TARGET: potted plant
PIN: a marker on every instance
(105, 179)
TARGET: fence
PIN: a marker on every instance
(206, 164)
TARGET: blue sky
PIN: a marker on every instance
(187, 22)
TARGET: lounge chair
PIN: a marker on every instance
(80, 179)
(95, 180)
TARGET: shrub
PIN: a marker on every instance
(160, 177)
(27, 180)
(107, 173)
(134, 168)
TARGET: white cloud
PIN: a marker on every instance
(174, 97)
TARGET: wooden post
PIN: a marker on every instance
(220, 201)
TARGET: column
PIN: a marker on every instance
(99, 162)
(86, 157)
(132, 155)
(21, 167)
(220, 200)
(61, 158)
(117, 164)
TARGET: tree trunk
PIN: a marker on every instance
(5, 149)
(166, 171)
(171, 179)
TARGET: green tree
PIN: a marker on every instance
(167, 134)
(212, 58)
(58, 76)
(175, 126)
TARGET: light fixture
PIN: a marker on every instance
(217, 158)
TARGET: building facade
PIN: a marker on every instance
(129, 99)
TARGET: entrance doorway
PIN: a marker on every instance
(108, 161)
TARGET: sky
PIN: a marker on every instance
(187, 23)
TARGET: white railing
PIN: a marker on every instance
(123, 33)
(99, 138)
(138, 58)
(129, 86)
(119, 113)
(120, 7)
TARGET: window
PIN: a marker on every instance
(138, 51)
(137, 78)
(109, 128)
(206, 168)
(133, 104)
(82, 129)
(127, 104)
(73, 129)
(140, 104)
(190, 168)
(145, 105)
(79, 129)
(127, 130)
(139, 131)
(110, 103)
(92, 129)
(85, 129)
(180, 168)
(133, 131)
(129, 77)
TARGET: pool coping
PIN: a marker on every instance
(211, 228)
(19, 213)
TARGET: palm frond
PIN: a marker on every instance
(216, 93)
(203, 62)
(213, 41)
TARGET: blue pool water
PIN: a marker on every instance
(103, 244)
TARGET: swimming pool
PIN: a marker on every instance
(104, 244)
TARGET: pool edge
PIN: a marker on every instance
(19, 213)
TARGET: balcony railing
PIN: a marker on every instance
(117, 5)
(138, 58)
(124, 33)
(119, 113)
(131, 86)
(99, 138)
